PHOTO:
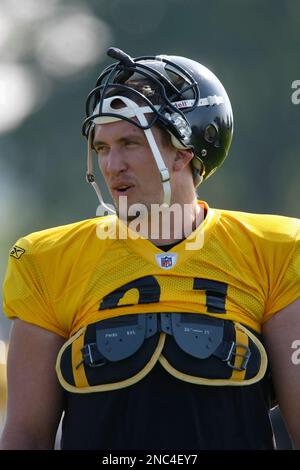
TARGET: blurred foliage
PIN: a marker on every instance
(252, 46)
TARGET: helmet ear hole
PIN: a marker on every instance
(211, 133)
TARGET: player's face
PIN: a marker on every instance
(127, 163)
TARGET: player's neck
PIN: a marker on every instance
(176, 223)
(166, 225)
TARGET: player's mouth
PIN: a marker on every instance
(122, 189)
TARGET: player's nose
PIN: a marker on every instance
(116, 162)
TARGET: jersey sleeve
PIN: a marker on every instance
(284, 284)
(25, 290)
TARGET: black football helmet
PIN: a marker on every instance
(180, 95)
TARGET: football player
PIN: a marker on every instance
(159, 340)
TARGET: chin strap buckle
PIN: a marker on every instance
(164, 175)
(90, 178)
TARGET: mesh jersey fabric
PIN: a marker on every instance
(66, 277)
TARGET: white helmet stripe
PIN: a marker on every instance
(208, 101)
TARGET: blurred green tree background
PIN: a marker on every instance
(52, 52)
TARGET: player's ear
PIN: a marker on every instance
(182, 158)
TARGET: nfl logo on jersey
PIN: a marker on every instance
(166, 261)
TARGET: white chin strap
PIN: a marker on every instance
(130, 110)
(90, 175)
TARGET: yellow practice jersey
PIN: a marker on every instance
(246, 268)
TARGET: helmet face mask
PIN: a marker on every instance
(180, 95)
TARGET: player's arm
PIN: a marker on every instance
(35, 399)
(280, 332)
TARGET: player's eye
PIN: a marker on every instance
(101, 149)
(131, 143)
